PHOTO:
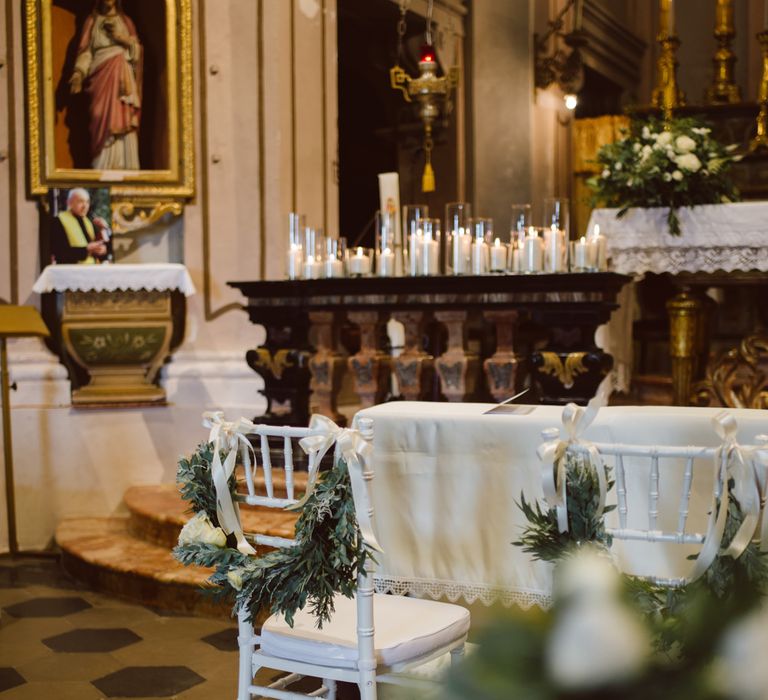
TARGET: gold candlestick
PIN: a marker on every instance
(724, 88)
(667, 95)
(761, 139)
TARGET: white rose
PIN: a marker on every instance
(689, 161)
(606, 173)
(636, 146)
(235, 578)
(677, 175)
(685, 144)
(667, 177)
(630, 182)
(646, 152)
(200, 530)
(664, 138)
(701, 131)
(671, 154)
(617, 166)
(646, 132)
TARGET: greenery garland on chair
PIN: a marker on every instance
(325, 561)
(685, 620)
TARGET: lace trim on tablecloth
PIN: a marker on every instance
(151, 277)
(468, 592)
(725, 258)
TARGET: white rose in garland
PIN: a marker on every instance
(671, 165)
(200, 530)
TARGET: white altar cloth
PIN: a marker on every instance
(109, 278)
(714, 237)
(447, 479)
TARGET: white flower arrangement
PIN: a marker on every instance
(200, 530)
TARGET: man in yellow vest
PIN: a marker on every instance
(74, 239)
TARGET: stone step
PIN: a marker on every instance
(157, 514)
(102, 553)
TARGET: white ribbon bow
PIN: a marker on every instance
(733, 461)
(355, 450)
(226, 435)
(553, 452)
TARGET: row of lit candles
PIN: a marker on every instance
(531, 251)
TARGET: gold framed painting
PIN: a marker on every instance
(109, 95)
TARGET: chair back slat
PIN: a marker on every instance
(621, 490)
(266, 462)
(288, 457)
(653, 493)
(685, 498)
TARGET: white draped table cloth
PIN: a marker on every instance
(158, 277)
(447, 480)
(714, 237)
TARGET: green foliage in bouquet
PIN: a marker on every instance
(326, 560)
(681, 166)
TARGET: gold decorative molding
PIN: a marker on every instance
(761, 138)
(738, 378)
(566, 374)
(129, 216)
(275, 363)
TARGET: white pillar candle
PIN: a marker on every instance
(430, 257)
(580, 254)
(554, 243)
(385, 266)
(333, 268)
(479, 257)
(461, 244)
(498, 256)
(597, 254)
(516, 263)
(359, 263)
(415, 246)
(532, 253)
(312, 268)
(295, 259)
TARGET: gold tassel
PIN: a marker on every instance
(428, 178)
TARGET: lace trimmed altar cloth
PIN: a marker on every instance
(157, 277)
(727, 237)
(447, 481)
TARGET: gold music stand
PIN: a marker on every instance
(15, 322)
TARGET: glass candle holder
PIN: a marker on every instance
(521, 220)
(312, 267)
(498, 258)
(295, 257)
(515, 260)
(457, 239)
(556, 214)
(424, 248)
(335, 250)
(579, 255)
(481, 230)
(412, 213)
(386, 251)
(597, 251)
(359, 262)
(555, 250)
(532, 259)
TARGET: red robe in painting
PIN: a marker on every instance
(114, 89)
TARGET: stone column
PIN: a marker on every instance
(325, 366)
(370, 367)
(456, 367)
(501, 367)
(413, 366)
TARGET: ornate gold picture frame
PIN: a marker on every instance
(109, 97)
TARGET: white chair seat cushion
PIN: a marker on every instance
(405, 629)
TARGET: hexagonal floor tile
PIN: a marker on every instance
(148, 681)
(92, 640)
(47, 607)
(226, 640)
(10, 678)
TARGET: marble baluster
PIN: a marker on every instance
(501, 368)
(456, 367)
(413, 367)
(370, 367)
(326, 365)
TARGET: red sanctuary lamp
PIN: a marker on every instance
(430, 92)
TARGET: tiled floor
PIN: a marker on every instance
(61, 641)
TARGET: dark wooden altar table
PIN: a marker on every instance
(466, 338)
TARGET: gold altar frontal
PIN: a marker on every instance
(121, 339)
